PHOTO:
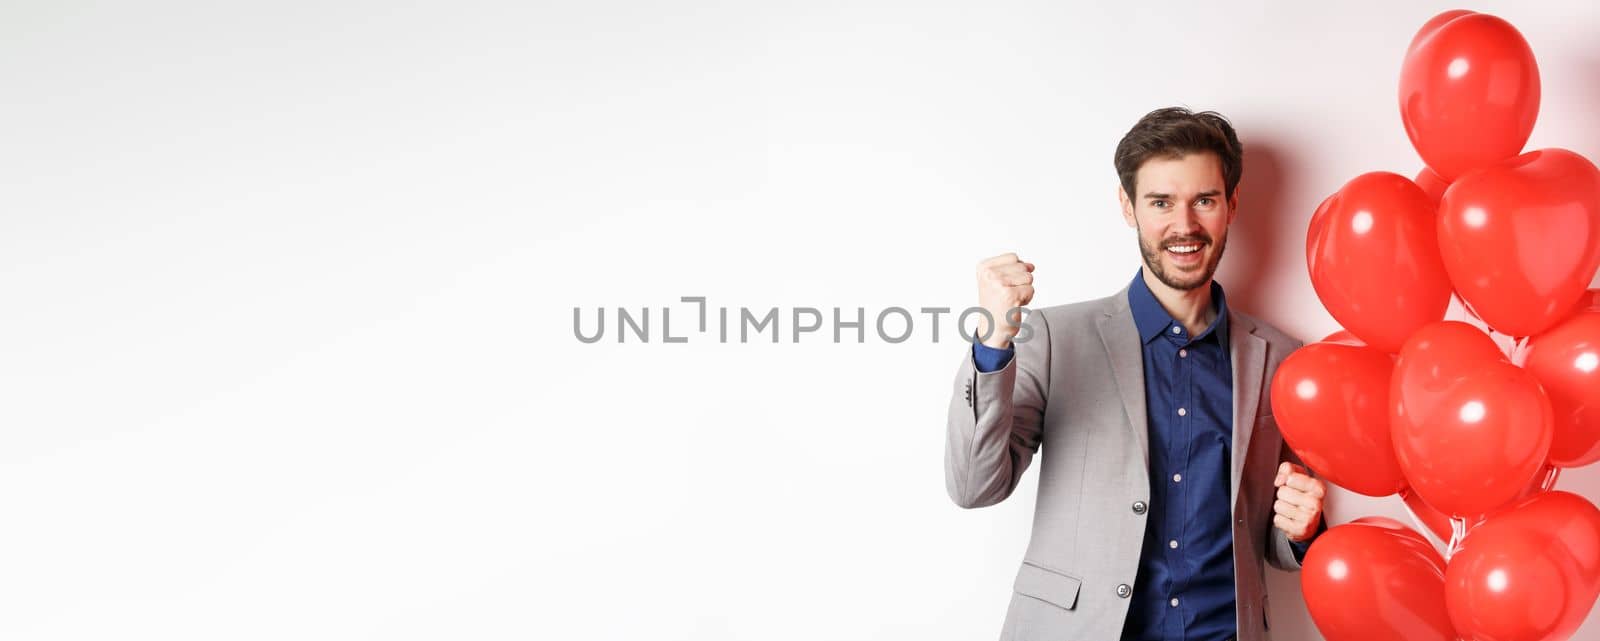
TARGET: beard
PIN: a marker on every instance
(1182, 280)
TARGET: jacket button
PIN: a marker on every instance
(1139, 507)
(1124, 591)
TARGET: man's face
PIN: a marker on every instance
(1181, 216)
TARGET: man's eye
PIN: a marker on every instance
(1158, 203)
(1203, 202)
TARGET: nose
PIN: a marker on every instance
(1185, 219)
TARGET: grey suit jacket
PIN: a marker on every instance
(1075, 393)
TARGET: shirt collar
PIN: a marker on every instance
(1152, 319)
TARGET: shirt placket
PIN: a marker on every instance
(1178, 501)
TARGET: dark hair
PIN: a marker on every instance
(1174, 132)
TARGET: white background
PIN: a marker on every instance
(287, 347)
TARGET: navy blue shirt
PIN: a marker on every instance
(1184, 590)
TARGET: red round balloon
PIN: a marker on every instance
(1470, 430)
(1528, 572)
(1373, 254)
(1374, 578)
(1332, 404)
(1521, 239)
(1469, 92)
(1432, 185)
(1566, 360)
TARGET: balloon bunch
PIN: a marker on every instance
(1405, 402)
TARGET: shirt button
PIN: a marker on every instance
(1174, 602)
(1183, 412)
(1176, 329)
(1139, 507)
(1173, 544)
(1124, 591)
(1183, 353)
(1177, 478)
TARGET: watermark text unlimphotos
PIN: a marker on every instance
(893, 324)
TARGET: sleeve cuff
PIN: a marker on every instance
(989, 359)
(1299, 548)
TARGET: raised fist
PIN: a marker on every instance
(1004, 284)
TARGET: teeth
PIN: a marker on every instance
(1184, 249)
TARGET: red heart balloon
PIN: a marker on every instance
(1521, 239)
(1373, 255)
(1426, 515)
(1342, 337)
(1566, 360)
(1433, 360)
(1374, 578)
(1469, 92)
(1332, 404)
(1590, 300)
(1439, 523)
(1433, 25)
(1528, 572)
(1431, 184)
(1470, 430)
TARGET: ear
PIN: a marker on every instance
(1233, 206)
(1127, 207)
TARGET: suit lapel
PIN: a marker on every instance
(1121, 338)
(1249, 358)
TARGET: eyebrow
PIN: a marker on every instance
(1210, 193)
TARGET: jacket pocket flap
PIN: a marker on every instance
(1047, 585)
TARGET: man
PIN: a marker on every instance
(1163, 480)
